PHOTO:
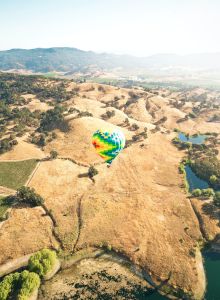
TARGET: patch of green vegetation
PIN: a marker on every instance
(181, 145)
(50, 74)
(3, 207)
(19, 286)
(105, 80)
(42, 262)
(217, 198)
(207, 168)
(28, 195)
(183, 171)
(179, 293)
(53, 119)
(203, 193)
(92, 172)
(15, 174)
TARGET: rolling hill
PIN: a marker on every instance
(134, 225)
(66, 60)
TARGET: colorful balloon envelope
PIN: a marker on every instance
(108, 143)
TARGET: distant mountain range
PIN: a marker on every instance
(70, 60)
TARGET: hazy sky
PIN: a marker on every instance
(139, 27)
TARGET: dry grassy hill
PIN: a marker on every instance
(137, 207)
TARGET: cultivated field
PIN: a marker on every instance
(15, 174)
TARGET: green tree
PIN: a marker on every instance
(213, 179)
(196, 193)
(208, 192)
(217, 198)
(7, 285)
(42, 141)
(53, 154)
(28, 195)
(42, 262)
(53, 119)
(92, 172)
(29, 282)
(23, 284)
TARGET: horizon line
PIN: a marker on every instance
(113, 53)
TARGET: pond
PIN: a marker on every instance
(212, 267)
(211, 259)
(194, 181)
(198, 140)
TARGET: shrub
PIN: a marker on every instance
(208, 192)
(213, 179)
(54, 135)
(132, 95)
(196, 193)
(7, 285)
(42, 262)
(108, 114)
(92, 172)
(29, 282)
(192, 115)
(53, 154)
(101, 88)
(23, 284)
(42, 141)
(134, 127)
(29, 196)
(181, 168)
(176, 140)
(126, 122)
(217, 198)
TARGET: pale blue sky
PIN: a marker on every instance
(138, 27)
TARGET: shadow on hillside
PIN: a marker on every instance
(212, 211)
(83, 175)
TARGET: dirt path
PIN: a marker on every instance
(32, 174)
(17, 160)
(14, 265)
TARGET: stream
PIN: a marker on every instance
(211, 259)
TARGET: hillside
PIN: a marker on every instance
(137, 214)
(73, 60)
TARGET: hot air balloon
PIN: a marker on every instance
(108, 143)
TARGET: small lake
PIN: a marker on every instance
(198, 140)
(211, 259)
(194, 181)
(212, 267)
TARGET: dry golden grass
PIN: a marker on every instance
(77, 143)
(22, 151)
(36, 104)
(26, 231)
(136, 206)
(209, 217)
(58, 182)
